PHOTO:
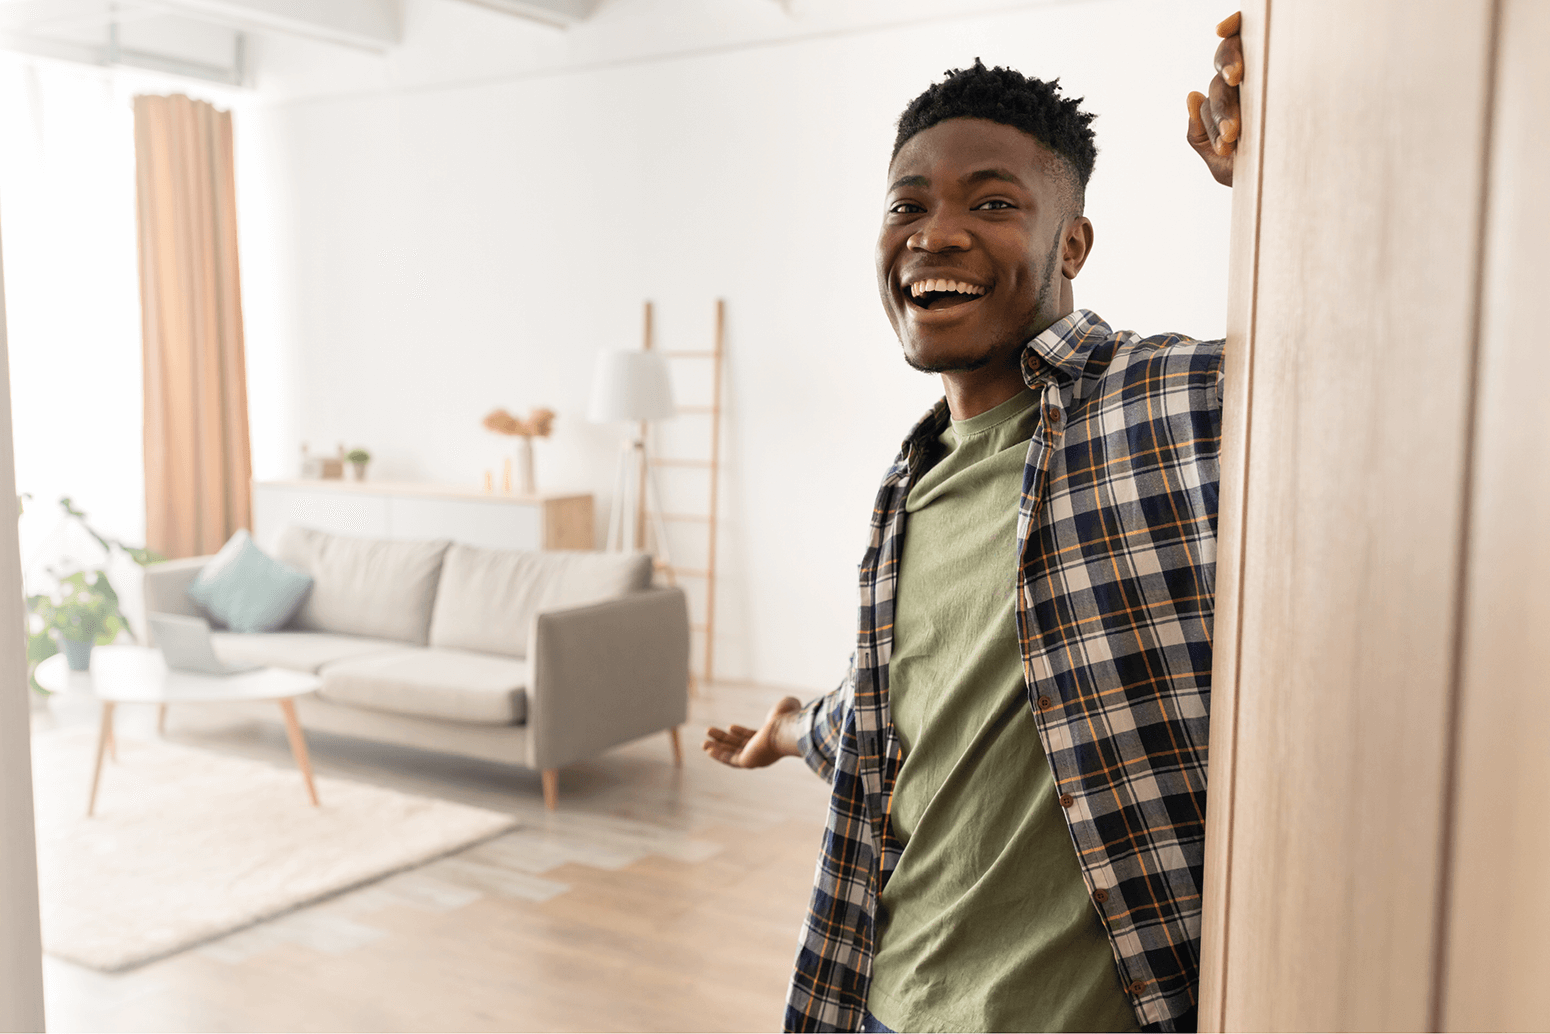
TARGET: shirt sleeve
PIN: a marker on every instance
(822, 722)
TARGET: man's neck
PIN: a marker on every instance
(972, 392)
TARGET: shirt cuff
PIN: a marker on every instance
(816, 739)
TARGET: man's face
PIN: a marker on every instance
(981, 206)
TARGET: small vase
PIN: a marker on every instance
(77, 653)
(525, 466)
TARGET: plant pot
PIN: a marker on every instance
(360, 471)
(77, 653)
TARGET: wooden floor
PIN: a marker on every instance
(654, 899)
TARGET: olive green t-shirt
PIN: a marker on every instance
(986, 923)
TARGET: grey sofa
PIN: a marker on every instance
(538, 659)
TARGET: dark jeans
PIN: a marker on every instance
(871, 1025)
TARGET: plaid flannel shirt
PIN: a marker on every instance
(1116, 540)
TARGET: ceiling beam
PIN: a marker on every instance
(371, 25)
(51, 16)
(560, 13)
(111, 56)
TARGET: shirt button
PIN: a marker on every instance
(1100, 895)
(1066, 800)
(1045, 703)
(1136, 987)
(1052, 414)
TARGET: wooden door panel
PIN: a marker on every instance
(1236, 402)
(1363, 321)
(1499, 898)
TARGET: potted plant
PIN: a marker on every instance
(82, 612)
(358, 459)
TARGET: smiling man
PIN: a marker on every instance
(1018, 754)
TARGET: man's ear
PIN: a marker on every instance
(1076, 243)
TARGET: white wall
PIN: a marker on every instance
(415, 254)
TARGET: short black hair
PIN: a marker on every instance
(1007, 96)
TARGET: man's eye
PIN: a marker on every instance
(905, 208)
(994, 204)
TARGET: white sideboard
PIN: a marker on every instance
(413, 510)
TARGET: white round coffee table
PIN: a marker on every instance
(138, 675)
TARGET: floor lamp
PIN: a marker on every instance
(634, 387)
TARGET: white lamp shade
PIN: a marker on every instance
(630, 386)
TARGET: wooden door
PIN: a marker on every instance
(1380, 480)
(1496, 906)
(21, 954)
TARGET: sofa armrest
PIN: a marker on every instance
(605, 674)
(165, 589)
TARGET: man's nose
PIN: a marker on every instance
(941, 231)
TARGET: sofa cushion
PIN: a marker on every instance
(299, 651)
(246, 590)
(364, 587)
(449, 684)
(488, 597)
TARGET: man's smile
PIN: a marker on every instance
(942, 292)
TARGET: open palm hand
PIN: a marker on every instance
(742, 747)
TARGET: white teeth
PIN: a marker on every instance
(921, 287)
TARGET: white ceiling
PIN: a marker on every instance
(275, 51)
(206, 39)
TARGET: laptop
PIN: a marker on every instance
(185, 645)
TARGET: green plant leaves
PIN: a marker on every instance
(85, 606)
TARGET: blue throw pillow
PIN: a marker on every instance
(247, 590)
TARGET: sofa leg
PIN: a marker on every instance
(551, 788)
(678, 748)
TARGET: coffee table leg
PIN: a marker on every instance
(298, 746)
(104, 737)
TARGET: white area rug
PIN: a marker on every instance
(188, 845)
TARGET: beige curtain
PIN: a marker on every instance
(197, 462)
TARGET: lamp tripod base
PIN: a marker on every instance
(635, 491)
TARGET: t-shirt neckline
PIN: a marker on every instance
(1011, 409)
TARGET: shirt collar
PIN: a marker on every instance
(922, 438)
(1063, 347)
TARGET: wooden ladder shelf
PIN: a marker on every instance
(671, 571)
